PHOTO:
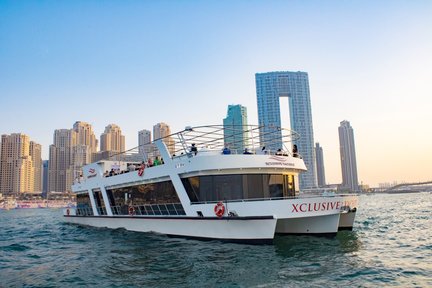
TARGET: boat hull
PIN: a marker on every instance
(346, 221)
(324, 225)
(259, 230)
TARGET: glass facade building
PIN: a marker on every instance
(320, 165)
(233, 124)
(270, 88)
(348, 157)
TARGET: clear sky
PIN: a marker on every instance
(137, 63)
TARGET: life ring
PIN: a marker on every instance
(219, 209)
(131, 210)
(141, 170)
(67, 212)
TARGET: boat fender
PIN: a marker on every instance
(219, 209)
(131, 211)
(141, 170)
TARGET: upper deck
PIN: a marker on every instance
(203, 150)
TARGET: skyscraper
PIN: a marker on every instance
(233, 124)
(60, 164)
(36, 154)
(162, 130)
(145, 146)
(71, 150)
(320, 165)
(348, 157)
(85, 135)
(45, 178)
(294, 85)
(19, 156)
(112, 139)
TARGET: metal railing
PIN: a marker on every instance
(171, 209)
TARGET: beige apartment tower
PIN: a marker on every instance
(112, 139)
(70, 151)
(162, 130)
(18, 160)
(60, 168)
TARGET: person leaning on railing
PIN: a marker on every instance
(295, 151)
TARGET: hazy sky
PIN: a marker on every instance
(136, 63)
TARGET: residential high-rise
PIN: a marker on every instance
(162, 130)
(85, 135)
(71, 150)
(86, 146)
(145, 146)
(36, 154)
(320, 165)
(45, 178)
(19, 156)
(348, 157)
(234, 136)
(270, 88)
(60, 165)
(112, 139)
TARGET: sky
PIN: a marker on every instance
(137, 63)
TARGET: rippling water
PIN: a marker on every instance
(391, 246)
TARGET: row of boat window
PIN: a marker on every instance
(239, 187)
(161, 198)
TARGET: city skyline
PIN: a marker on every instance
(135, 64)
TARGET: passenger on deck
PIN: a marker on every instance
(279, 152)
(131, 167)
(226, 151)
(112, 172)
(156, 162)
(149, 163)
(194, 149)
(295, 151)
(246, 151)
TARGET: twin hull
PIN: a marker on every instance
(259, 222)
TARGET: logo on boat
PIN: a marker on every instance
(322, 206)
(92, 173)
(279, 161)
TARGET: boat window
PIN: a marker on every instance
(100, 204)
(147, 199)
(84, 207)
(238, 187)
(275, 184)
(253, 187)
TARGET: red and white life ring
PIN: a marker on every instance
(131, 210)
(67, 212)
(219, 209)
(141, 170)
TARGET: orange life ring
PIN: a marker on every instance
(131, 210)
(141, 170)
(67, 212)
(219, 209)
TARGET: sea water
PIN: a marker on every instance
(391, 246)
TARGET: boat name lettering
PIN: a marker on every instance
(179, 165)
(279, 164)
(321, 206)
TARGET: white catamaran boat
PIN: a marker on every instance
(238, 185)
